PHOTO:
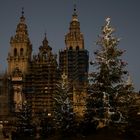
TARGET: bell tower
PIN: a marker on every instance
(20, 51)
(73, 60)
(74, 38)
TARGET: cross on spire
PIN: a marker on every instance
(22, 12)
(22, 18)
(74, 16)
(75, 8)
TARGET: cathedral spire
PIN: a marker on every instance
(45, 38)
(21, 47)
(44, 48)
(21, 30)
(74, 38)
(45, 41)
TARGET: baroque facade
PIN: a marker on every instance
(33, 78)
(40, 82)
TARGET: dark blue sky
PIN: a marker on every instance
(53, 17)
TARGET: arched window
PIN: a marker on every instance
(21, 51)
(15, 52)
(77, 47)
(70, 48)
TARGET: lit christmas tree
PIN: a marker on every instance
(110, 85)
(63, 109)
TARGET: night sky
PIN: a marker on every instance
(54, 16)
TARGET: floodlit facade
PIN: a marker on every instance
(40, 82)
(33, 78)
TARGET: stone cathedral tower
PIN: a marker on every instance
(19, 59)
(74, 39)
(73, 60)
(20, 50)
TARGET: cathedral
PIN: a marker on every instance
(33, 78)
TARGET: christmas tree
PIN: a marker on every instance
(63, 108)
(110, 86)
